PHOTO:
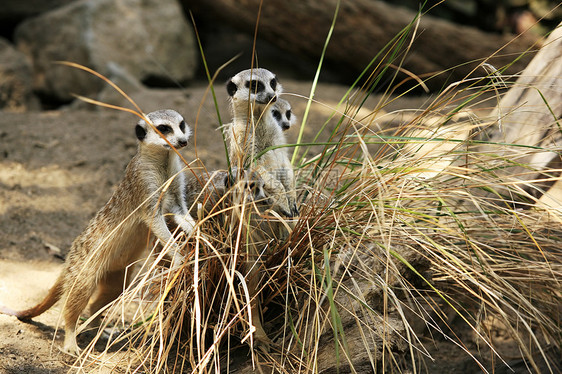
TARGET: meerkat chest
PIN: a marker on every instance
(273, 159)
(173, 183)
(164, 181)
(171, 195)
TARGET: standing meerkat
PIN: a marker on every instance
(255, 127)
(153, 187)
(277, 119)
(252, 94)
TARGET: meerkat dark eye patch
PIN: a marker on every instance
(140, 132)
(182, 126)
(164, 129)
(255, 86)
(276, 114)
(231, 88)
(273, 84)
(288, 114)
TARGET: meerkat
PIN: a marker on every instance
(277, 119)
(153, 187)
(252, 94)
(205, 191)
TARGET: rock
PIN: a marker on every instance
(530, 113)
(148, 38)
(125, 81)
(15, 80)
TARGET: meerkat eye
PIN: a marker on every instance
(182, 126)
(276, 114)
(273, 83)
(288, 114)
(164, 129)
(255, 86)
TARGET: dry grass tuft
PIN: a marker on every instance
(412, 232)
(403, 236)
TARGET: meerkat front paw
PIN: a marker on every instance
(280, 203)
(262, 341)
(293, 206)
(70, 346)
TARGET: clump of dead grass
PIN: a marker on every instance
(406, 228)
(409, 228)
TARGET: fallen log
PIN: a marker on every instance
(362, 29)
(529, 114)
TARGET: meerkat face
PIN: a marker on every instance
(254, 85)
(255, 186)
(169, 123)
(281, 114)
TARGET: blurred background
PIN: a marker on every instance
(153, 43)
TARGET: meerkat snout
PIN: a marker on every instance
(253, 183)
(256, 143)
(182, 143)
(258, 123)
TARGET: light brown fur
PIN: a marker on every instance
(204, 192)
(120, 231)
(276, 161)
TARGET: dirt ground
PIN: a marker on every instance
(57, 168)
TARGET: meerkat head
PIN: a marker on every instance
(282, 114)
(253, 183)
(254, 85)
(170, 124)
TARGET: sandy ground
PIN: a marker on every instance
(57, 168)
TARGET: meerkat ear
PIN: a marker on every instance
(140, 130)
(231, 87)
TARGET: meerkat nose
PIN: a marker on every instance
(269, 98)
(182, 143)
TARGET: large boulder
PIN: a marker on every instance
(15, 80)
(149, 38)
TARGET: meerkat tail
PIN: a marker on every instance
(52, 297)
